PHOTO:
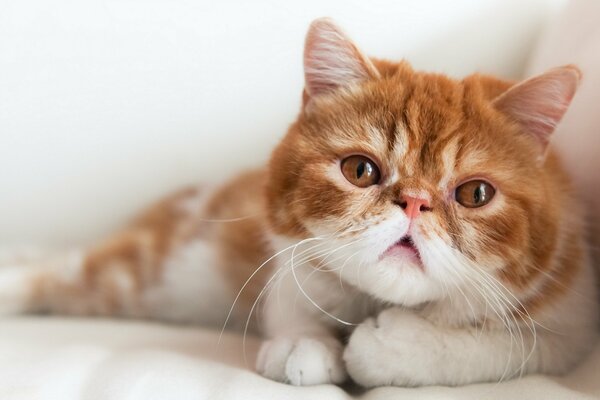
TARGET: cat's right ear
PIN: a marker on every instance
(332, 60)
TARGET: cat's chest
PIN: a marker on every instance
(335, 302)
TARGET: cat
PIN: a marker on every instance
(410, 229)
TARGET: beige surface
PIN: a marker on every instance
(63, 359)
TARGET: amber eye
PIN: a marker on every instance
(474, 194)
(360, 171)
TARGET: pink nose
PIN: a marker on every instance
(413, 206)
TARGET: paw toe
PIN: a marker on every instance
(302, 362)
(313, 362)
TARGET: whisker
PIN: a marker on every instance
(310, 298)
(499, 294)
(225, 220)
(525, 313)
(499, 313)
(319, 267)
(246, 284)
(342, 270)
(250, 314)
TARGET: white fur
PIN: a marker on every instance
(452, 321)
(19, 268)
(301, 333)
(438, 342)
(412, 350)
(302, 361)
(448, 164)
(14, 288)
(191, 288)
(400, 150)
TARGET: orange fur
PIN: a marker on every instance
(432, 110)
(442, 263)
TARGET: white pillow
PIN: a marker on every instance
(575, 39)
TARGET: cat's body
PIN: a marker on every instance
(411, 229)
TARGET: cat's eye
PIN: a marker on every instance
(473, 194)
(360, 171)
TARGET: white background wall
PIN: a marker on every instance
(107, 105)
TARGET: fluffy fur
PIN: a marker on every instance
(494, 292)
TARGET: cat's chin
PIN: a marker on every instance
(397, 278)
(403, 265)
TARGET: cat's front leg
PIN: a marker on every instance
(395, 348)
(402, 348)
(302, 347)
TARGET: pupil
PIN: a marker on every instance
(360, 170)
(478, 195)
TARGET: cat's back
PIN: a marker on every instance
(204, 211)
(219, 231)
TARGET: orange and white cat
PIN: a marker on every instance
(410, 229)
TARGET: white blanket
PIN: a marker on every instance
(63, 359)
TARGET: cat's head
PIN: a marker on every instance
(410, 182)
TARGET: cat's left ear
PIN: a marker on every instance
(539, 103)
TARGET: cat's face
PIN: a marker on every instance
(409, 185)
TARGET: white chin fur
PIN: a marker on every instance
(391, 279)
(402, 283)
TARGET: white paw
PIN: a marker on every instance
(393, 349)
(302, 361)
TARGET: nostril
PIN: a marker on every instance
(402, 203)
(413, 205)
(424, 208)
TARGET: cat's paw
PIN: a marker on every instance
(391, 349)
(302, 361)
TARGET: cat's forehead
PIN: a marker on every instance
(425, 123)
(421, 108)
(431, 126)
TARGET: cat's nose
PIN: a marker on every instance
(413, 206)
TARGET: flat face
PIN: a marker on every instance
(476, 191)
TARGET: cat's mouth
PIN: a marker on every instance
(404, 249)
